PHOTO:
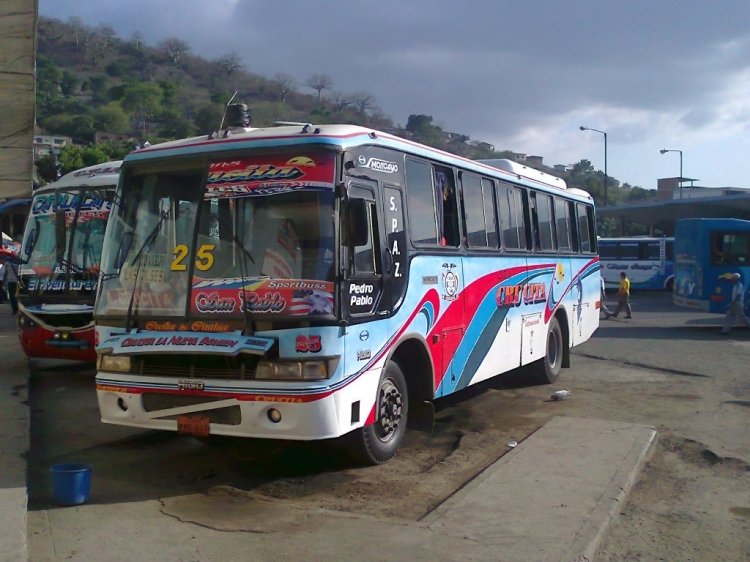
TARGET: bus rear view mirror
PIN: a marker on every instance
(28, 246)
(122, 251)
(60, 234)
(357, 229)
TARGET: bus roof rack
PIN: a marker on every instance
(524, 171)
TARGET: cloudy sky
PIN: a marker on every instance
(523, 75)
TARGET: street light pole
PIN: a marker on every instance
(664, 151)
(583, 128)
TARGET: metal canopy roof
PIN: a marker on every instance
(664, 214)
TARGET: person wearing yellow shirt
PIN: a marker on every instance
(623, 296)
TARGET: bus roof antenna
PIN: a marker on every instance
(221, 125)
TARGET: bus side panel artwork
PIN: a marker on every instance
(707, 251)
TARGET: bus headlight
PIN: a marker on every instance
(25, 322)
(114, 363)
(292, 370)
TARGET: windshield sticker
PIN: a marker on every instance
(270, 175)
(120, 299)
(45, 204)
(228, 342)
(197, 326)
(264, 296)
(59, 284)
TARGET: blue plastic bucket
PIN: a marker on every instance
(71, 483)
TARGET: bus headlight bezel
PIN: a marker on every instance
(115, 363)
(317, 370)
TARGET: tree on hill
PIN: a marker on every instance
(174, 48)
(319, 82)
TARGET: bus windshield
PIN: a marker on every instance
(189, 243)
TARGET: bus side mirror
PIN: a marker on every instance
(122, 251)
(357, 229)
(28, 246)
(60, 234)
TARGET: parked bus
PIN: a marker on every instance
(649, 262)
(312, 282)
(707, 251)
(61, 250)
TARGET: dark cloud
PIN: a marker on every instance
(486, 67)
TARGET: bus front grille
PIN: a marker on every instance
(194, 366)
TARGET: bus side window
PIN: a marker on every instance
(511, 214)
(544, 222)
(421, 203)
(365, 255)
(562, 225)
(479, 211)
(586, 234)
(445, 193)
(576, 237)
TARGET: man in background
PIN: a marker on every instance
(623, 296)
(736, 309)
(10, 277)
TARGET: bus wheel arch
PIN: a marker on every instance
(562, 320)
(404, 392)
(414, 359)
(669, 285)
(547, 369)
(378, 440)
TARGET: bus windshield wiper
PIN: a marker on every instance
(137, 259)
(249, 325)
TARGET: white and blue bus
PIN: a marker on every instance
(707, 252)
(312, 282)
(648, 262)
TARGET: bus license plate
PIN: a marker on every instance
(193, 425)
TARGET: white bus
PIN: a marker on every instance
(648, 262)
(312, 282)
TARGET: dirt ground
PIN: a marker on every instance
(665, 368)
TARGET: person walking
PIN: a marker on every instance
(623, 296)
(2, 282)
(736, 309)
(10, 277)
(607, 312)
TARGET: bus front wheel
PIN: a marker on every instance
(547, 369)
(378, 442)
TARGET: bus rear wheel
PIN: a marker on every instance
(378, 442)
(547, 369)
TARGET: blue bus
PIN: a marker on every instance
(707, 251)
(312, 282)
(647, 261)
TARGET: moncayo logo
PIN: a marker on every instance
(377, 165)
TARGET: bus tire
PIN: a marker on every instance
(547, 369)
(378, 442)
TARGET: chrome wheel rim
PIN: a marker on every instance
(389, 411)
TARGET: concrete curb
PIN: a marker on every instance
(555, 495)
(612, 501)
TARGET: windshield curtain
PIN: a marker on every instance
(257, 238)
(144, 265)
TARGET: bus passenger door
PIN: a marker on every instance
(363, 293)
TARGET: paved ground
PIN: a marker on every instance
(14, 421)
(159, 496)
